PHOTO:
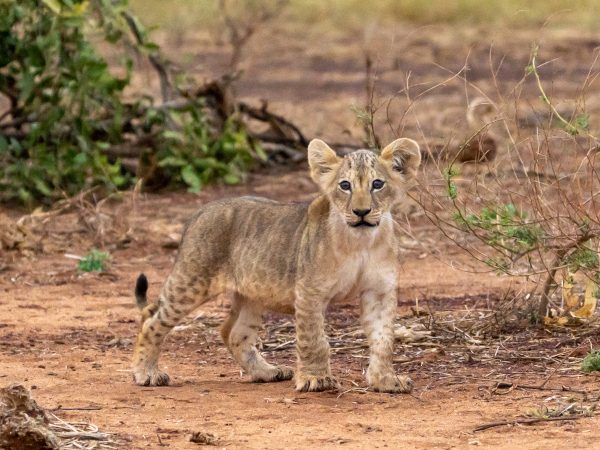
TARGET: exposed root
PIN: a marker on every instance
(24, 425)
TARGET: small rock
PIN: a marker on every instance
(199, 437)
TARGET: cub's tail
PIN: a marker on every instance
(141, 287)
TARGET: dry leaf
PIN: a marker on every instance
(563, 321)
(415, 333)
(589, 303)
(571, 300)
(285, 401)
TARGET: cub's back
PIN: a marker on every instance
(253, 241)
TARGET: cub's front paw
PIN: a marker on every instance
(313, 383)
(391, 383)
(277, 373)
(153, 378)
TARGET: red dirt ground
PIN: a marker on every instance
(68, 336)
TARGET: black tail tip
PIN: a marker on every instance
(141, 287)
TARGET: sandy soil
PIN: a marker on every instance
(68, 336)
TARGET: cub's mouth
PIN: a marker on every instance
(363, 223)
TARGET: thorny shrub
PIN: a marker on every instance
(534, 214)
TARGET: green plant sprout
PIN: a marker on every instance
(591, 363)
(94, 261)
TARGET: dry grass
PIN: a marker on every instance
(188, 15)
(80, 435)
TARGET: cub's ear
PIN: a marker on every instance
(323, 162)
(402, 157)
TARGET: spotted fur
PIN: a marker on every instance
(292, 258)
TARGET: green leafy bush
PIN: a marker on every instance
(192, 157)
(67, 110)
(502, 227)
(503, 224)
(65, 104)
(560, 239)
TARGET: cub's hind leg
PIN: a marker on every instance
(242, 340)
(227, 326)
(180, 295)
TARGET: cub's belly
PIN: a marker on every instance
(271, 296)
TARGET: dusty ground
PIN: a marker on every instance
(68, 336)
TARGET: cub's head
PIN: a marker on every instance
(363, 186)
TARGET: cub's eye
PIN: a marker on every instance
(345, 186)
(378, 184)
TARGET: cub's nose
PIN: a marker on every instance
(361, 212)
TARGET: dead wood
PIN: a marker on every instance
(159, 64)
(542, 387)
(528, 421)
(23, 424)
(285, 143)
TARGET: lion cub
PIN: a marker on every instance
(293, 258)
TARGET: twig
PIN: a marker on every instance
(354, 389)
(264, 115)
(154, 58)
(240, 32)
(369, 124)
(569, 127)
(556, 368)
(83, 435)
(83, 408)
(511, 386)
(527, 421)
